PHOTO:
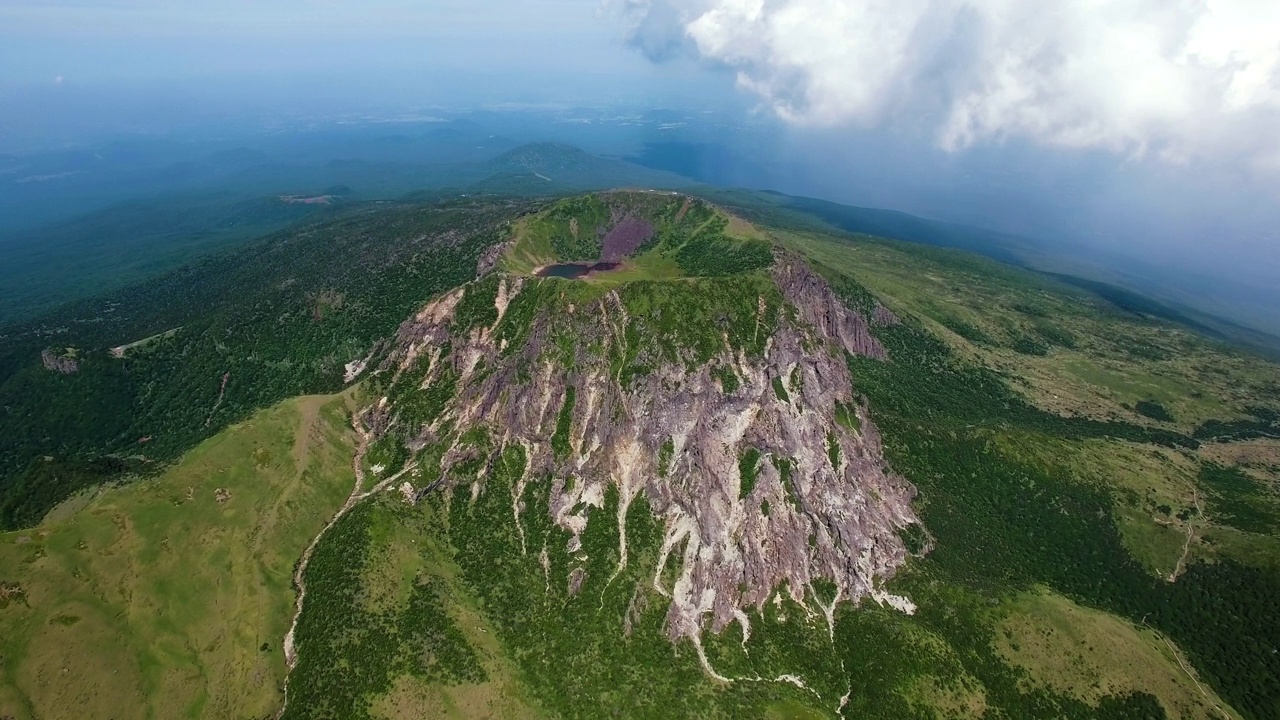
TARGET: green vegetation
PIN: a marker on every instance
(664, 457)
(833, 450)
(275, 319)
(1263, 423)
(1030, 346)
(169, 597)
(780, 389)
(691, 238)
(1089, 654)
(684, 322)
(727, 378)
(1240, 501)
(1153, 410)
(972, 333)
(415, 636)
(476, 308)
(749, 471)
(708, 252)
(418, 405)
(687, 321)
(932, 382)
(1066, 348)
(573, 227)
(47, 481)
(916, 538)
(847, 415)
(948, 426)
(1055, 335)
(560, 442)
(785, 467)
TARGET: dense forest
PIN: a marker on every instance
(224, 336)
(943, 422)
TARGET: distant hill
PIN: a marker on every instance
(565, 166)
(113, 247)
(108, 248)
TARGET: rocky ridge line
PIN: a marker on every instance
(835, 522)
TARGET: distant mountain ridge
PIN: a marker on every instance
(161, 234)
(107, 248)
(567, 168)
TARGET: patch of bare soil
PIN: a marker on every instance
(11, 593)
(222, 393)
(624, 238)
(688, 203)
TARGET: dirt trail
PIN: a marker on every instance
(309, 409)
(1191, 533)
(309, 412)
(1178, 656)
(222, 393)
(299, 575)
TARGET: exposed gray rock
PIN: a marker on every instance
(489, 258)
(58, 363)
(576, 578)
(837, 523)
(884, 316)
(817, 304)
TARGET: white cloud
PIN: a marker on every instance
(1176, 78)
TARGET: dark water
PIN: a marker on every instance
(573, 271)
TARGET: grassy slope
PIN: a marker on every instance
(277, 318)
(390, 631)
(1091, 654)
(155, 599)
(1097, 360)
(1154, 496)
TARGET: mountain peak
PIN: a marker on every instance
(628, 235)
(545, 156)
(722, 405)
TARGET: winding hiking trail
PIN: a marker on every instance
(222, 394)
(1173, 650)
(299, 575)
(1191, 533)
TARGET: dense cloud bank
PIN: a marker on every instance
(1177, 79)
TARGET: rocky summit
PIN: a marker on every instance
(756, 453)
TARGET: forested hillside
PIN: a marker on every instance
(154, 368)
(633, 454)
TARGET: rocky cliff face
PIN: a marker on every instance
(763, 468)
(60, 363)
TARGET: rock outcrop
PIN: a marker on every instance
(817, 505)
(64, 364)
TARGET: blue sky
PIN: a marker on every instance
(88, 41)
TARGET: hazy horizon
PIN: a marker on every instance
(1135, 130)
